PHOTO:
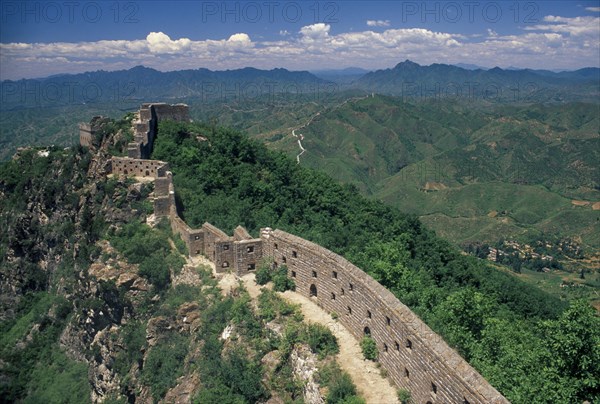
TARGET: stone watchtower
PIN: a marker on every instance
(146, 126)
(87, 131)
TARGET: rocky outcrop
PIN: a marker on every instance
(102, 376)
(183, 392)
(304, 366)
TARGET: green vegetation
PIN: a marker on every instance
(164, 363)
(339, 385)
(151, 250)
(228, 375)
(134, 338)
(369, 348)
(279, 276)
(41, 372)
(404, 396)
(58, 380)
(262, 188)
(470, 171)
(271, 306)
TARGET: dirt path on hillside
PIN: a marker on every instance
(369, 382)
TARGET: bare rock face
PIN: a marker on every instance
(102, 376)
(304, 368)
(188, 275)
(183, 392)
(157, 326)
(188, 316)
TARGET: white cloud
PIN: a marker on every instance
(555, 42)
(315, 31)
(378, 23)
(159, 42)
(241, 38)
(593, 9)
(586, 25)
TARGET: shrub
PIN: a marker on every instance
(155, 270)
(369, 348)
(281, 283)
(341, 389)
(320, 339)
(263, 275)
(404, 396)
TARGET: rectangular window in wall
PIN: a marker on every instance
(334, 275)
(225, 247)
(250, 249)
(314, 274)
(294, 254)
(293, 274)
(251, 267)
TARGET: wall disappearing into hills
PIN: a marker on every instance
(416, 358)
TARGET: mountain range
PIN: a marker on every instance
(407, 79)
(411, 80)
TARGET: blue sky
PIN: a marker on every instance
(41, 38)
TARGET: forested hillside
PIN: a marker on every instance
(528, 344)
(99, 306)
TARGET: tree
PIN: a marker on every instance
(573, 342)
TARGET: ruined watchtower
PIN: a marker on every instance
(87, 131)
(146, 126)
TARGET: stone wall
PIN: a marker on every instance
(87, 131)
(415, 357)
(146, 125)
(248, 254)
(175, 112)
(85, 134)
(139, 167)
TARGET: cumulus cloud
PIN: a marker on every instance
(593, 9)
(555, 42)
(378, 23)
(240, 38)
(315, 31)
(159, 42)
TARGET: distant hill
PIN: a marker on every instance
(132, 86)
(342, 76)
(469, 66)
(411, 80)
(457, 166)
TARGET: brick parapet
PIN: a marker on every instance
(415, 357)
(139, 167)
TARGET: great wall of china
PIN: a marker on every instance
(415, 358)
